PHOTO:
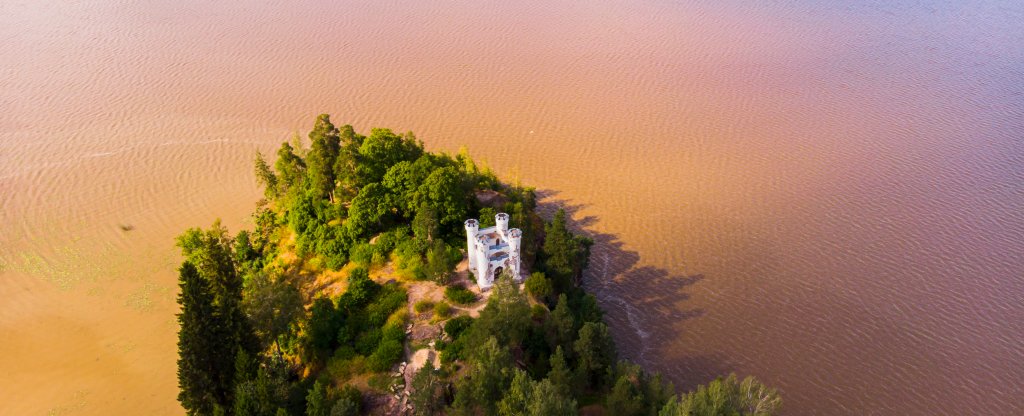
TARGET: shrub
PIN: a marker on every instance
(459, 295)
(538, 286)
(442, 310)
(368, 341)
(393, 332)
(423, 306)
(386, 355)
(344, 369)
(457, 325)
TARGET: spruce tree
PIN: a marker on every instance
(198, 376)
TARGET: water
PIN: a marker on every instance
(827, 196)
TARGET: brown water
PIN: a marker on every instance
(828, 197)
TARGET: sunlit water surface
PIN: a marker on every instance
(828, 197)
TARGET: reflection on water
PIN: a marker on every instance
(823, 195)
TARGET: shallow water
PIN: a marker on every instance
(829, 197)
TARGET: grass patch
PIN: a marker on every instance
(459, 295)
(423, 306)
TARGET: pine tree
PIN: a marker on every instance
(199, 379)
(560, 375)
(317, 403)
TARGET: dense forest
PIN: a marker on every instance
(308, 313)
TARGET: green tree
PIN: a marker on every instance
(565, 254)
(424, 224)
(506, 316)
(538, 286)
(322, 327)
(266, 177)
(202, 382)
(317, 403)
(211, 253)
(560, 374)
(625, 398)
(427, 396)
(518, 396)
(726, 397)
(349, 402)
(487, 380)
(443, 192)
(561, 324)
(440, 262)
(323, 153)
(534, 398)
(272, 304)
(369, 208)
(291, 169)
(595, 353)
(382, 150)
(487, 218)
(347, 162)
(549, 401)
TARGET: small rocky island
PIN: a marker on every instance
(352, 295)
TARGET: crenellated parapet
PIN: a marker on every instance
(493, 250)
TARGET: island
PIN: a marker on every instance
(380, 278)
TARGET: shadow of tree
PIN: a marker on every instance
(643, 305)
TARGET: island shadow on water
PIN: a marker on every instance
(645, 306)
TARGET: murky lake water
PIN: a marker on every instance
(827, 196)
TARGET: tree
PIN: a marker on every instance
(440, 261)
(560, 375)
(382, 150)
(317, 403)
(625, 398)
(565, 254)
(533, 398)
(322, 327)
(272, 304)
(347, 162)
(323, 153)
(538, 286)
(595, 352)
(349, 402)
(369, 208)
(202, 382)
(424, 224)
(518, 396)
(291, 169)
(726, 397)
(506, 316)
(443, 192)
(266, 177)
(427, 395)
(489, 376)
(548, 400)
(211, 254)
(561, 325)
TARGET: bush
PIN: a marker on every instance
(386, 355)
(457, 325)
(538, 286)
(350, 401)
(442, 310)
(454, 351)
(344, 369)
(368, 341)
(423, 306)
(459, 295)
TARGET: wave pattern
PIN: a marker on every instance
(827, 196)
